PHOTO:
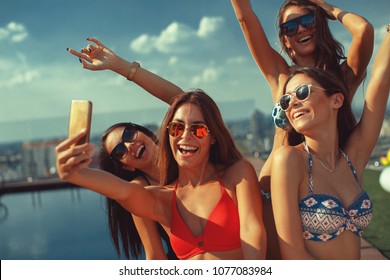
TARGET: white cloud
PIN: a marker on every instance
(21, 73)
(173, 60)
(143, 44)
(17, 38)
(236, 60)
(20, 77)
(178, 37)
(209, 74)
(23, 77)
(209, 25)
(14, 32)
(4, 33)
(15, 27)
(174, 38)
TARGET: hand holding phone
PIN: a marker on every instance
(79, 119)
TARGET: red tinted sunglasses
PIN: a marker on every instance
(198, 130)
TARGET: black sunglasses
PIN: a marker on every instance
(197, 130)
(302, 93)
(290, 28)
(120, 151)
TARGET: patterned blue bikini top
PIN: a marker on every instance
(324, 216)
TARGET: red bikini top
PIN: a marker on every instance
(222, 231)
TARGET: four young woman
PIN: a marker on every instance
(306, 189)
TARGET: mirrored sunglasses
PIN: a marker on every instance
(120, 151)
(301, 93)
(198, 130)
(291, 27)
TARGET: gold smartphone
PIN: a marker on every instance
(80, 118)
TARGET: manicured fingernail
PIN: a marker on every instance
(81, 51)
(88, 39)
(80, 60)
(67, 49)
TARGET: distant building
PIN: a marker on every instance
(39, 159)
(10, 162)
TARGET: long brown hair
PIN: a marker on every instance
(329, 52)
(123, 232)
(332, 84)
(223, 151)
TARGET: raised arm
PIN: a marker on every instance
(252, 231)
(361, 48)
(270, 62)
(72, 162)
(99, 57)
(367, 132)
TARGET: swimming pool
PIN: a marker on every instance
(57, 224)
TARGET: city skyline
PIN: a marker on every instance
(57, 127)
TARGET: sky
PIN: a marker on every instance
(194, 44)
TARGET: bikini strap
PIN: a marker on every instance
(221, 183)
(177, 183)
(351, 167)
(310, 160)
(146, 179)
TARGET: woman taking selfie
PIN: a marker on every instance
(207, 199)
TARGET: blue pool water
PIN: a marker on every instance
(61, 224)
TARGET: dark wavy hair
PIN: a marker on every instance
(332, 84)
(223, 152)
(120, 221)
(329, 52)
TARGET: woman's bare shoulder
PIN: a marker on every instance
(287, 152)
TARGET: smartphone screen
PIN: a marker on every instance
(80, 118)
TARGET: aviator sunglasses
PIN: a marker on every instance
(129, 135)
(198, 130)
(302, 93)
(290, 28)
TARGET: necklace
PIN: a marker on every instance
(326, 167)
(321, 162)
